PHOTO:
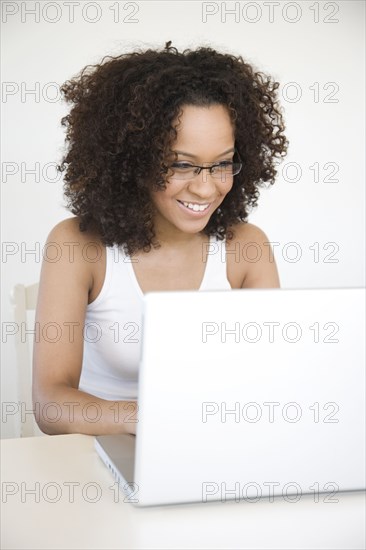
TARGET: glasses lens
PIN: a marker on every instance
(184, 171)
(229, 169)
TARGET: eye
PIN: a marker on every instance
(182, 165)
(224, 166)
(225, 163)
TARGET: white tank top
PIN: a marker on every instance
(112, 333)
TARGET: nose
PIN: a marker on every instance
(203, 185)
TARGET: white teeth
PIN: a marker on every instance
(195, 207)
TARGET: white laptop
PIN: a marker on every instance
(246, 394)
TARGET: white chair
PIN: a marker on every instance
(24, 299)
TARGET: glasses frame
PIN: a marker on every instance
(211, 167)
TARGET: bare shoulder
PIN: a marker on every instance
(74, 253)
(248, 232)
(70, 228)
(254, 265)
(85, 245)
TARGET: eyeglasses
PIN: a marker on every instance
(219, 170)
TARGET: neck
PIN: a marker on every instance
(169, 236)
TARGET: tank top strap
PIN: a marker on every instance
(215, 277)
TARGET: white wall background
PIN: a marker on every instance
(315, 211)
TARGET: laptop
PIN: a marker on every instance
(244, 395)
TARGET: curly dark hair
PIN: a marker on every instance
(121, 127)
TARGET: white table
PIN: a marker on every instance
(51, 465)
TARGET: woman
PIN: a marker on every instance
(166, 153)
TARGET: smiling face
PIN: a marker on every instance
(205, 135)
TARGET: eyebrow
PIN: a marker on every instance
(231, 150)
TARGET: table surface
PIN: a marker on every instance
(56, 493)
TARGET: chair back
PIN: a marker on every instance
(24, 300)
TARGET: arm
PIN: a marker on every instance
(62, 299)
